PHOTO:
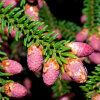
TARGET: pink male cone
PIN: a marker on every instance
(0, 37)
(65, 76)
(35, 58)
(96, 97)
(57, 31)
(28, 83)
(32, 11)
(13, 32)
(80, 49)
(83, 17)
(82, 35)
(15, 90)
(8, 2)
(31, 1)
(67, 96)
(11, 66)
(40, 3)
(50, 71)
(75, 70)
(94, 42)
(95, 57)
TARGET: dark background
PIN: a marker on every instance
(66, 9)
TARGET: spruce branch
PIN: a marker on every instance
(89, 12)
(92, 11)
(92, 85)
(60, 88)
(32, 34)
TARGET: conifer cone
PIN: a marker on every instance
(40, 3)
(82, 35)
(94, 42)
(28, 83)
(12, 67)
(65, 76)
(8, 2)
(68, 96)
(31, 1)
(80, 49)
(95, 57)
(35, 58)
(75, 70)
(50, 71)
(57, 31)
(96, 97)
(15, 90)
(32, 11)
(83, 17)
(13, 32)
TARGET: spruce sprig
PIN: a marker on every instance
(92, 85)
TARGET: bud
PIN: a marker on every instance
(83, 17)
(0, 37)
(60, 34)
(80, 49)
(32, 11)
(35, 57)
(94, 42)
(13, 32)
(40, 3)
(67, 96)
(40, 26)
(8, 2)
(11, 66)
(15, 90)
(96, 97)
(75, 70)
(82, 35)
(28, 83)
(95, 57)
(50, 71)
(65, 76)
(31, 1)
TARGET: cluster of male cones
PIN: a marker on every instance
(74, 70)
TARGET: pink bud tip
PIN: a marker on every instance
(0, 37)
(35, 57)
(11, 66)
(50, 71)
(32, 11)
(80, 49)
(82, 35)
(40, 3)
(8, 2)
(28, 83)
(67, 96)
(94, 42)
(65, 76)
(13, 32)
(31, 1)
(76, 70)
(57, 31)
(15, 90)
(96, 97)
(95, 57)
(83, 17)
